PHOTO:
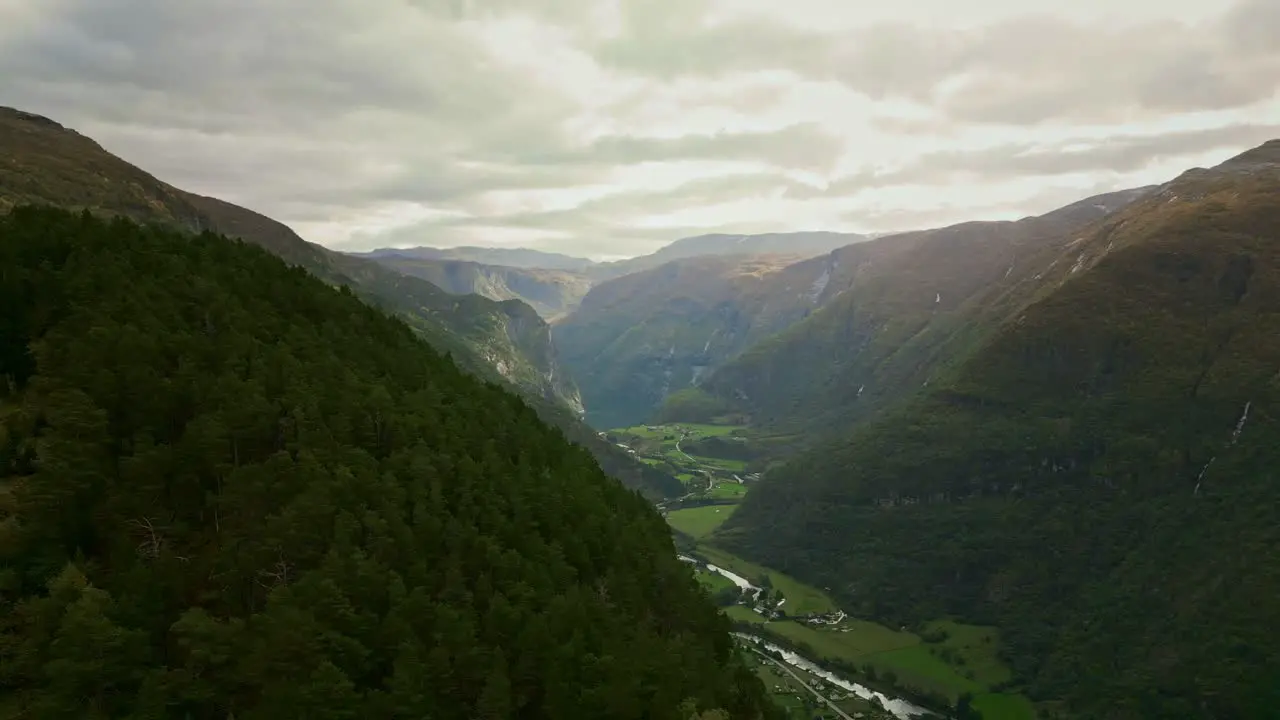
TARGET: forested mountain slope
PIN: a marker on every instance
(638, 339)
(44, 163)
(901, 308)
(229, 490)
(1098, 478)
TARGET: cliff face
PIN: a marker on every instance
(553, 293)
(638, 338)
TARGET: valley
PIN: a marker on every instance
(1007, 469)
(937, 665)
(1021, 444)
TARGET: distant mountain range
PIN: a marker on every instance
(643, 338)
(552, 293)
(796, 244)
(504, 257)
(554, 284)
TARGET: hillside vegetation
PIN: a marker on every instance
(906, 307)
(1096, 477)
(778, 339)
(42, 162)
(229, 490)
(45, 163)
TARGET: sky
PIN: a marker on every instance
(608, 128)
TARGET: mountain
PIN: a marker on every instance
(46, 163)
(552, 293)
(504, 342)
(899, 309)
(798, 244)
(716, 336)
(503, 257)
(1095, 475)
(555, 284)
(637, 338)
(228, 489)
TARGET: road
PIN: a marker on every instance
(682, 452)
(807, 686)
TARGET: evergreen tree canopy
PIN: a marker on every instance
(228, 490)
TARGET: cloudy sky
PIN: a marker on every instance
(607, 128)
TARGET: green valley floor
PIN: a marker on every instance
(941, 659)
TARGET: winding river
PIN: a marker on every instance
(900, 708)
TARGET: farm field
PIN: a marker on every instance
(942, 657)
(698, 522)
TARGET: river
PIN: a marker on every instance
(741, 582)
(900, 708)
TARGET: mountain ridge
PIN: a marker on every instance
(552, 293)
(1093, 475)
(903, 303)
(42, 162)
(637, 339)
(519, 257)
(231, 489)
(801, 244)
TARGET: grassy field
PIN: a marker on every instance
(797, 700)
(916, 663)
(693, 430)
(863, 641)
(948, 658)
(713, 582)
(954, 659)
(801, 599)
(975, 648)
(736, 466)
(744, 614)
(728, 491)
(698, 522)
(711, 430)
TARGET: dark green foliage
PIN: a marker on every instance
(1086, 479)
(228, 490)
(694, 405)
(42, 162)
(915, 305)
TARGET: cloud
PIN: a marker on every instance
(801, 146)
(606, 126)
(1020, 69)
(1034, 70)
(1109, 155)
(600, 225)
